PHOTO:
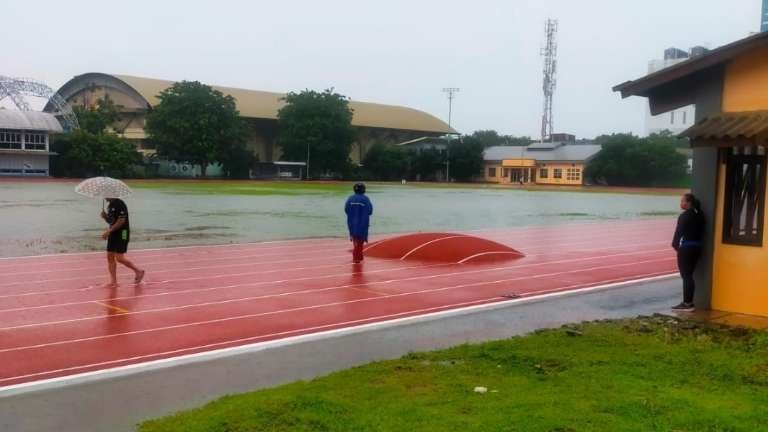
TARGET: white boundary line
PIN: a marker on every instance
(575, 237)
(307, 291)
(127, 370)
(543, 227)
(303, 308)
(427, 243)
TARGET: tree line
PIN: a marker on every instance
(195, 123)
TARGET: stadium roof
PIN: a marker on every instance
(29, 120)
(265, 105)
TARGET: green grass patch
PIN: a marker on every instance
(649, 374)
(231, 187)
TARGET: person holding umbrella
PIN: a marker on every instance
(118, 234)
(359, 210)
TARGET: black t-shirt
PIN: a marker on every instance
(115, 211)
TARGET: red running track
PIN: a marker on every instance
(57, 319)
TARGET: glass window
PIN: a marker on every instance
(573, 174)
(10, 140)
(744, 196)
(543, 173)
(558, 174)
(34, 141)
(491, 172)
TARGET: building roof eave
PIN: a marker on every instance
(645, 86)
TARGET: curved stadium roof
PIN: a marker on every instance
(265, 105)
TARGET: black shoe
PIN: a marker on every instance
(684, 307)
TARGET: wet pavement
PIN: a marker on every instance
(48, 217)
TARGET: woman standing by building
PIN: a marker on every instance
(687, 241)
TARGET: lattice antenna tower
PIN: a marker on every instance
(549, 52)
(16, 89)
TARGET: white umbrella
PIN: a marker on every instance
(103, 187)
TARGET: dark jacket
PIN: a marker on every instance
(359, 210)
(690, 229)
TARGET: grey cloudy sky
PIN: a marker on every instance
(396, 51)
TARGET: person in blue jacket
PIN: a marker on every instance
(359, 210)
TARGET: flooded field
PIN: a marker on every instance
(48, 217)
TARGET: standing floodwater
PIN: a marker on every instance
(48, 217)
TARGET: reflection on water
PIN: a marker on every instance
(40, 218)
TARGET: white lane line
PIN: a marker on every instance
(383, 321)
(532, 233)
(429, 243)
(591, 240)
(312, 307)
(261, 283)
(469, 258)
(279, 281)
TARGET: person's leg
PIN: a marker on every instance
(112, 266)
(686, 259)
(357, 251)
(126, 262)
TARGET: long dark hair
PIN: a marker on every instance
(695, 203)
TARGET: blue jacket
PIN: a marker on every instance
(359, 210)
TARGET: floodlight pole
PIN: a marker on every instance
(451, 92)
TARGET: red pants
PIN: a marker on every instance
(357, 250)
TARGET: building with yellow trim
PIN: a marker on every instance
(729, 87)
(556, 163)
(135, 96)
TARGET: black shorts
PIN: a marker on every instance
(118, 242)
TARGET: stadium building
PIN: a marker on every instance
(135, 96)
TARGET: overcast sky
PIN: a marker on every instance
(399, 52)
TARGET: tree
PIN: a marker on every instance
(97, 119)
(466, 157)
(195, 123)
(385, 162)
(427, 163)
(316, 127)
(627, 160)
(91, 150)
(491, 138)
(238, 163)
(86, 154)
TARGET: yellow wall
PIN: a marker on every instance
(746, 83)
(518, 163)
(497, 177)
(551, 180)
(740, 273)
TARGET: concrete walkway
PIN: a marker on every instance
(116, 400)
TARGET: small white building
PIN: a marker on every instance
(678, 120)
(25, 142)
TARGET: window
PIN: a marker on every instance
(744, 196)
(506, 172)
(543, 173)
(10, 140)
(491, 172)
(558, 174)
(685, 116)
(34, 141)
(672, 117)
(573, 174)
